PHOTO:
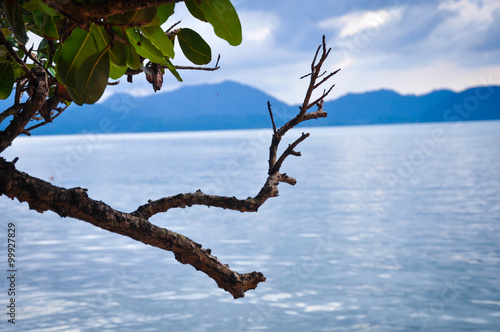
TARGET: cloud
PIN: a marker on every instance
(472, 29)
(419, 46)
(358, 22)
(259, 27)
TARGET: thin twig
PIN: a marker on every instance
(326, 93)
(326, 78)
(60, 110)
(173, 25)
(271, 115)
(289, 151)
(216, 67)
(30, 55)
(131, 72)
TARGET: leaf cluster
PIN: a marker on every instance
(81, 58)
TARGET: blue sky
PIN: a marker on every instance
(412, 47)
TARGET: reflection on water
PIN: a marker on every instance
(375, 236)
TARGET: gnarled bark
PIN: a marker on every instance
(75, 203)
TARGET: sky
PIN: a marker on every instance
(412, 47)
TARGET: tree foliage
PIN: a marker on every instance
(83, 55)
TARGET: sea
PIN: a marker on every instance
(389, 228)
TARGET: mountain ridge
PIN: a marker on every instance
(230, 105)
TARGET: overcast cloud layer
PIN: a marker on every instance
(412, 47)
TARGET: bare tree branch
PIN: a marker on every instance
(214, 68)
(43, 196)
(38, 125)
(303, 116)
(326, 78)
(287, 152)
(75, 203)
(270, 188)
(272, 118)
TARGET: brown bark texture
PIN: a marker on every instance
(75, 203)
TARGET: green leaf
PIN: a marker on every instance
(195, 10)
(75, 50)
(3, 53)
(223, 17)
(39, 5)
(19, 71)
(46, 25)
(163, 12)
(100, 36)
(118, 51)
(115, 72)
(6, 80)
(44, 51)
(133, 60)
(92, 78)
(159, 39)
(78, 47)
(141, 16)
(118, 54)
(15, 19)
(172, 69)
(144, 47)
(194, 47)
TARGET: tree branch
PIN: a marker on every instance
(75, 203)
(81, 13)
(39, 91)
(306, 105)
(272, 118)
(130, 72)
(270, 188)
(13, 110)
(43, 196)
(52, 118)
(287, 152)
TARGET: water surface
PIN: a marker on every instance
(388, 228)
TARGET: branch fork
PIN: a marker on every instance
(75, 203)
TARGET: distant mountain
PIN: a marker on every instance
(226, 105)
(231, 105)
(379, 107)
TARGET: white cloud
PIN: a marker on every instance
(479, 13)
(259, 35)
(466, 27)
(258, 30)
(356, 22)
(259, 26)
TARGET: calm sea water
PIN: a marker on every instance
(390, 228)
